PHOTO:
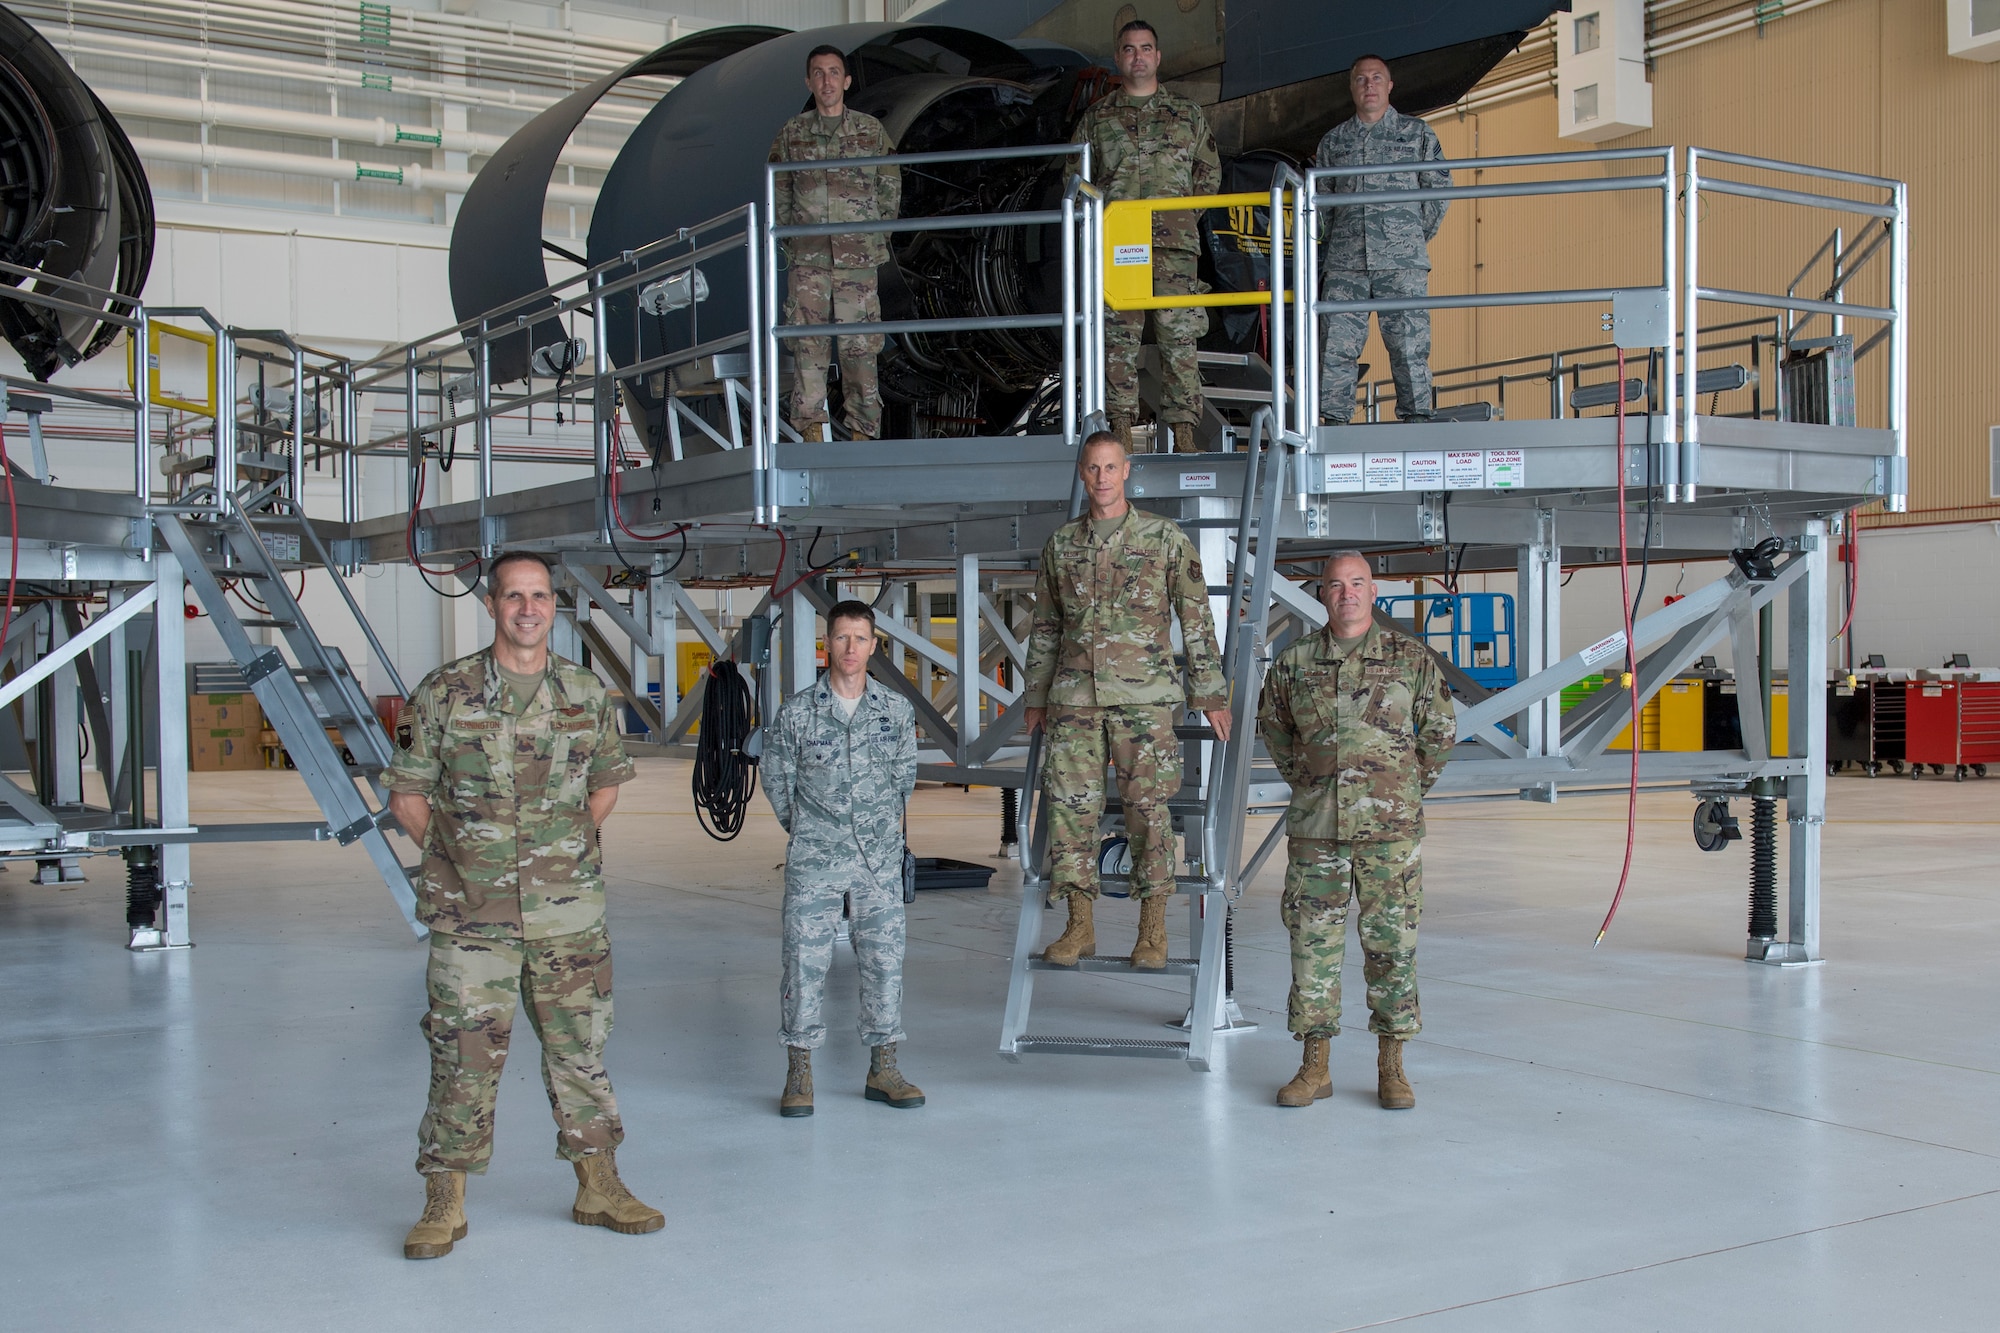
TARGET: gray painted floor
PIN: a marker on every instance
(1653, 1135)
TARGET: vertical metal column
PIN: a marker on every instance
(1898, 499)
(142, 407)
(967, 635)
(1690, 445)
(1805, 796)
(298, 475)
(603, 403)
(1539, 599)
(800, 634)
(170, 676)
(1069, 303)
(1669, 447)
(482, 431)
(663, 605)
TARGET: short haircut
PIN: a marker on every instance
(506, 558)
(824, 50)
(1348, 553)
(1138, 25)
(850, 610)
(1383, 61)
(1097, 437)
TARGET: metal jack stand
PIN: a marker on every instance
(1228, 1014)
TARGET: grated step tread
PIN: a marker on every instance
(1176, 967)
(1155, 1047)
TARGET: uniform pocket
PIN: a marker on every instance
(603, 976)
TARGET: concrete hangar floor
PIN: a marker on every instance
(1652, 1136)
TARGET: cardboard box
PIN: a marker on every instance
(225, 750)
(223, 712)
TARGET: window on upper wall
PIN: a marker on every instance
(1587, 35)
(1985, 17)
(1586, 103)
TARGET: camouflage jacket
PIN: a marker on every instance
(1360, 735)
(510, 852)
(1381, 236)
(839, 784)
(849, 194)
(1153, 148)
(1102, 633)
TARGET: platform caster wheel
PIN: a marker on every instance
(1114, 857)
(1714, 827)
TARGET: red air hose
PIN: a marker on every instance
(1631, 664)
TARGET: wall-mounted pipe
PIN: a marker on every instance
(414, 176)
(351, 129)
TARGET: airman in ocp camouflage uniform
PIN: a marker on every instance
(1357, 720)
(1378, 250)
(1148, 143)
(1101, 661)
(507, 779)
(839, 767)
(832, 279)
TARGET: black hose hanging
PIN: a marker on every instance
(724, 776)
(1763, 868)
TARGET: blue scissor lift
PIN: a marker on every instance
(1474, 631)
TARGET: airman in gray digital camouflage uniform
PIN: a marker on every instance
(839, 767)
(1357, 720)
(1148, 143)
(1101, 674)
(1378, 250)
(832, 279)
(514, 763)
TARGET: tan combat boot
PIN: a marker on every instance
(1079, 937)
(443, 1221)
(886, 1082)
(798, 1098)
(1312, 1082)
(1149, 952)
(1391, 1088)
(603, 1201)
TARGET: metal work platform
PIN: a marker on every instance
(725, 494)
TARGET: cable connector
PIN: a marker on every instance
(1624, 680)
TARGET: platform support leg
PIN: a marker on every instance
(1539, 644)
(1805, 796)
(170, 675)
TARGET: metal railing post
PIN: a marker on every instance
(1305, 293)
(1668, 446)
(1281, 410)
(413, 440)
(1897, 500)
(298, 475)
(1690, 327)
(483, 428)
(761, 439)
(142, 405)
(603, 403)
(1069, 386)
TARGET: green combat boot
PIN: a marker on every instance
(443, 1221)
(886, 1082)
(1391, 1088)
(798, 1097)
(1312, 1082)
(1079, 937)
(1149, 953)
(603, 1201)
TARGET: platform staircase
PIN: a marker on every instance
(1210, 809)
(252, 544)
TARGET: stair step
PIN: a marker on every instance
(1221, 395)
(1158, 1048)
(1189, 884)
(253, 623)
(1176, 967)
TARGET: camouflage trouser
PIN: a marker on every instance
(475, 985)
(835, 296)
(1174, 335)
(1321, 876)
(1405, 333)
(1138, 741)
(811, 915)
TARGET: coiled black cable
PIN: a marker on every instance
(725, 777)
